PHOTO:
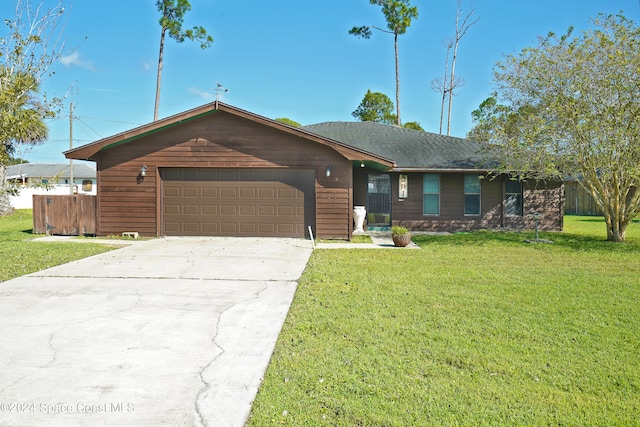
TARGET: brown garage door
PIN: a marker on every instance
(237, 202)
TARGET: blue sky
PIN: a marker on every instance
(284, 58)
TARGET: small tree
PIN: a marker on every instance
(27, 53)
(398, 14)
(288, 121)
(375, 107)
(488, 116)
(413, 126)
(441, 84)
(171, 20)
(447, 84)
(569, 108)
(462, 26)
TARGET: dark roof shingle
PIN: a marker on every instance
(410, 149)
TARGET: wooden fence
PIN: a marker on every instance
(578, 201)
(64, 215)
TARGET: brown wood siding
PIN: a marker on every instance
(128, 202)
(334, 207)
(545, 198)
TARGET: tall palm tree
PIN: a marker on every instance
(398, 14)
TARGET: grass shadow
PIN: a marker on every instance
(597, 219)
(561, 240)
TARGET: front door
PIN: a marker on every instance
(379, 200)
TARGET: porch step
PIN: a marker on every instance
(378, 229)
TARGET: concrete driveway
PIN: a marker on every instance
(173, 331)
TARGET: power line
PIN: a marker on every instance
(86, 126)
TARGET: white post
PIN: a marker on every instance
(71, 148)
(313, 242)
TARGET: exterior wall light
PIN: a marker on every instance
(361, 164)
(143, 171)
(328, 171)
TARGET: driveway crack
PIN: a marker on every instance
(63, 326)
(207, 384)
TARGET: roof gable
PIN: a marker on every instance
(90, 151)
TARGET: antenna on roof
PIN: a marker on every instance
(220, 89)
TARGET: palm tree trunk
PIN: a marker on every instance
(5, 199)
(397, 80)
(159, 80)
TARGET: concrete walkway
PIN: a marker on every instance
(164, 332)
(379, 240)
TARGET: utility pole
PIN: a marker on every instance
(71, 148)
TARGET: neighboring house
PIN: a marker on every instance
(49, 178)
(219, 170)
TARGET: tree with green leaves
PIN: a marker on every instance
(413, 126)
(488, 116)
(569, 108)
(288, 121)
(378, 107)
(16, 161)
(398, 14)
(375, 107)
(28, 51)
(171, 20)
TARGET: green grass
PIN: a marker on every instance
(19, 255)
(477, 329)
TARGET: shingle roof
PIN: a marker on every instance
(49, 170)
(410, 149)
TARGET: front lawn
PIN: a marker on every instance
(474, 329)
(20, 256)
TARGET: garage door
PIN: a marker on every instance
(237, 202)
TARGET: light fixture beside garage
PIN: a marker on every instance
(328, 171)
(143, 171)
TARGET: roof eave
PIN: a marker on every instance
(88, 151)
(440, 170)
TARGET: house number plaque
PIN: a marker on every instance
(403, 189)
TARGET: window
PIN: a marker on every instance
(513, 193)
(431, 194)
(471, 195)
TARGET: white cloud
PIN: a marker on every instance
(75, 59)
(207, 96)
